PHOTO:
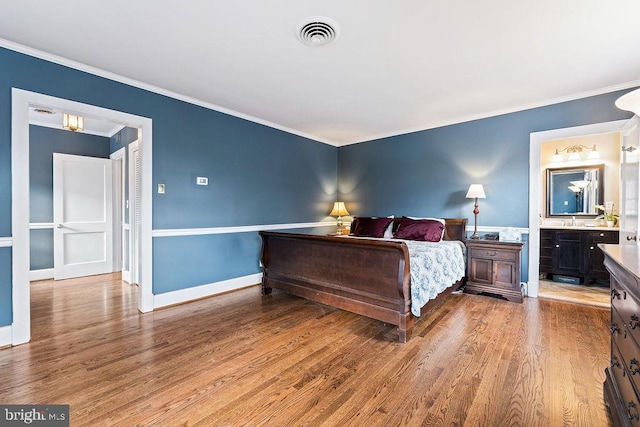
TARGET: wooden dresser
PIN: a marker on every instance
(493, 267)
(622, 383)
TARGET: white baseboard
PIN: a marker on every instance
(532, 288)
(44, 274)
(197, 292)
(5, 335)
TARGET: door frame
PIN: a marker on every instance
(21, 100)
(535, 191)
(134, 228)
(118, 165)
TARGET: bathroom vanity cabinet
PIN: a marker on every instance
(575, 252)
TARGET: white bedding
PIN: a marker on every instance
(434, 266)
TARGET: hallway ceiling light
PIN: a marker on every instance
(72, 122)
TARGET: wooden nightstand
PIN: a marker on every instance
(493, 267)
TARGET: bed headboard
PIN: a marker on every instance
(455, 229)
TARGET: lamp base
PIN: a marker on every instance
(475, 236)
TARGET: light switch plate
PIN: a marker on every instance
(202, 180)
(160, 188)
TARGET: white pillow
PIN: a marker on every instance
(388, 232)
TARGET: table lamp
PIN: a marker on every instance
(476, 191)
(339, 210)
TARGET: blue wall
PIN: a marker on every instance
(428, 173)
(43, 142)
(257, 175)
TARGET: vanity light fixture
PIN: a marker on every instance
(72, 122)
(476, 191)
(575, 153)
(339, 210)
(580, 184)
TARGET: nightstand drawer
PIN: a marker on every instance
(497, 254)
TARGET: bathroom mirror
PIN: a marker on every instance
(575, 191)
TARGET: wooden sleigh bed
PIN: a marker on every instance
(364, 276)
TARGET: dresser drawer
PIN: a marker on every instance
(629, 351)
(627, 308)
(629, 397)
(497, 254)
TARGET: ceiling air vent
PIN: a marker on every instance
(317, 30)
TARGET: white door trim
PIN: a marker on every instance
(134, 229)
(535, 191)
(118, 158)
(20, 102)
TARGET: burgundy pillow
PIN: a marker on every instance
(371, 227)
(420, 229)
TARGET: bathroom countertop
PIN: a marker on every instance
(577, 227)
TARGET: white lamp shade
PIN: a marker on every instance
(339, 209)
(476, 190)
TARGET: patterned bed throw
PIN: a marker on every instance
(434, 267)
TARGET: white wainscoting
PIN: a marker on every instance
(210, 289)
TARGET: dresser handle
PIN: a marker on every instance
(635, 322)
(633, 371)
(632, 237)
(557, 246)
(615, 294)
(614, 362)
(492, 253)
(614, 328)
(631, 406)
(601, 234)
(591, 247)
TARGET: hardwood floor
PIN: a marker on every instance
(591, 295)
(242, 359)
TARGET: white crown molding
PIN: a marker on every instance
(240, 229)
(6, 242)
(151, 88)
(495, 113)
(116, 129)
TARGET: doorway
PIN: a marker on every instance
(535, 186)
(21, 101)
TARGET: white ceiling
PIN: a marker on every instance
(92, 125)
(397, 66)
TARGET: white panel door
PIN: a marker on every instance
(630, 182)
(82, 214)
